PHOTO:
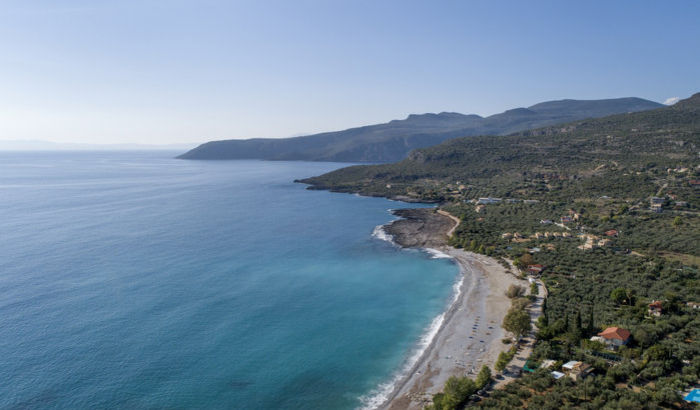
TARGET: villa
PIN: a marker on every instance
(614, 337)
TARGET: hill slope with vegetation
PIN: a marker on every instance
(392, 141)
(606, 213)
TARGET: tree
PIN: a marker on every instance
(483, 378)
(502, 361)
(677, 221)
(517, 322)
(619, 295)
(457, 390)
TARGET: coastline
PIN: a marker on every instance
(470, 333)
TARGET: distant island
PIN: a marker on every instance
(393, 141)
(602, 216)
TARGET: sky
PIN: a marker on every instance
(182, 71)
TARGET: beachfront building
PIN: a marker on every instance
(614, 337)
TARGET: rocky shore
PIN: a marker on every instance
(420, 228)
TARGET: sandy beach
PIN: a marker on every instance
(471, 333)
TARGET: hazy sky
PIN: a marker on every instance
(157, 71)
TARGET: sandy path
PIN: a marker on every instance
(456, 220)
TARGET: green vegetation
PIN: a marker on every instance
(579, 207)
(455, 394)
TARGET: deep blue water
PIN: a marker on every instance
(134, 280)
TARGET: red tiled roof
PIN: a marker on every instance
(615, 333)
(611, 232)
(655, 304)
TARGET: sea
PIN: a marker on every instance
(135, 280)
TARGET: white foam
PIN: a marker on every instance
(436, 254)
(380, 233)
(380, 395)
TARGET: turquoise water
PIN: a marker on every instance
(134, 280)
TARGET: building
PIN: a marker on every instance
(489, 200)
(657, 208)
(615, 337)
(545, 221)
(530, 201)
(577, 370)
(612, 233)
(693, 305)
(655, 308)
(656, 200)
(566, 219)
(535, 270)
(557, 375)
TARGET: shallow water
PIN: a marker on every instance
(135, 280)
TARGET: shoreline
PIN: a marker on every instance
(470, 333)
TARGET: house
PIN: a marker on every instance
(577, 370)
(655, 308)
(615, 337)
(656, 200)
(597, 339)
(545, 221)
(657, 208)
(566, 219)
(613, 233)
(694, 182)
(535, 269)
(693, 305)
(603, 242)
(681, 204)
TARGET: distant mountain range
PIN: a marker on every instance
(393, 141)
(619, 146)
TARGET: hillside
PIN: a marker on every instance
(571, 154)
(605, 213)
(392, 141)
